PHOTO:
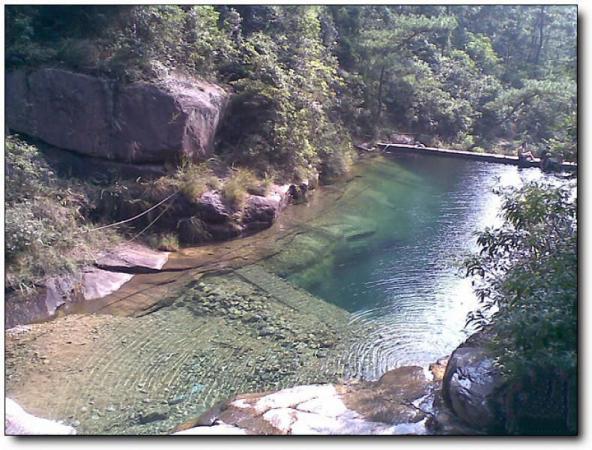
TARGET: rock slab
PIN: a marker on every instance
(387, 406)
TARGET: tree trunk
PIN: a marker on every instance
(540, 40)
(379, 95)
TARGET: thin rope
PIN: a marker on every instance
(151, 223)
(136, 216)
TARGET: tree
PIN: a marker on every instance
(392, 41)
(527, 280)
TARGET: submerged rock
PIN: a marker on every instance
(153, 415)
(139, 122)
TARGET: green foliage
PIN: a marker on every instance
(193, 179)
(308, 78)
(536, 111)
(45, 233)
(527, 280)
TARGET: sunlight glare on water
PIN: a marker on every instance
(417, 218)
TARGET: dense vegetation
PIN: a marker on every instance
(309, 79)
(46, 232)
(527, 271)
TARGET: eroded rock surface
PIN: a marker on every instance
(139, 122)
(391, 405)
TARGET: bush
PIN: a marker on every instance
(194, 179)
(45, 233)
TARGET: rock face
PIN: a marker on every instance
(18, 422)
(132, 258)
(138, 123)
(389, 406)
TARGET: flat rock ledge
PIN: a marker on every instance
(18, 422)
(111, 271)
(391, 406)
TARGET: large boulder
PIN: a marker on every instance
(541, 402)
(140, 122)
(469, 385)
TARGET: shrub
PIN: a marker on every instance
(528, 280)
(194, 179)
(44, 230)
(238, 185)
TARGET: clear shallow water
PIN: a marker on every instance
(383, 247)
(401, 230)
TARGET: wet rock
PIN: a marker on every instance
(139, 122)
(469, 386)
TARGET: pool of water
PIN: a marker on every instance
(362, 279)
(399, 234)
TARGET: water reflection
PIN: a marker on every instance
(417, 218)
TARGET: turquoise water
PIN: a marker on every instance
(397, 237)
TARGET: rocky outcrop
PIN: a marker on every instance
(469, 386)
(140, 122)
(112, 270)
(18, 422)
(210, 218)
(543, 402)
(392, 405)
